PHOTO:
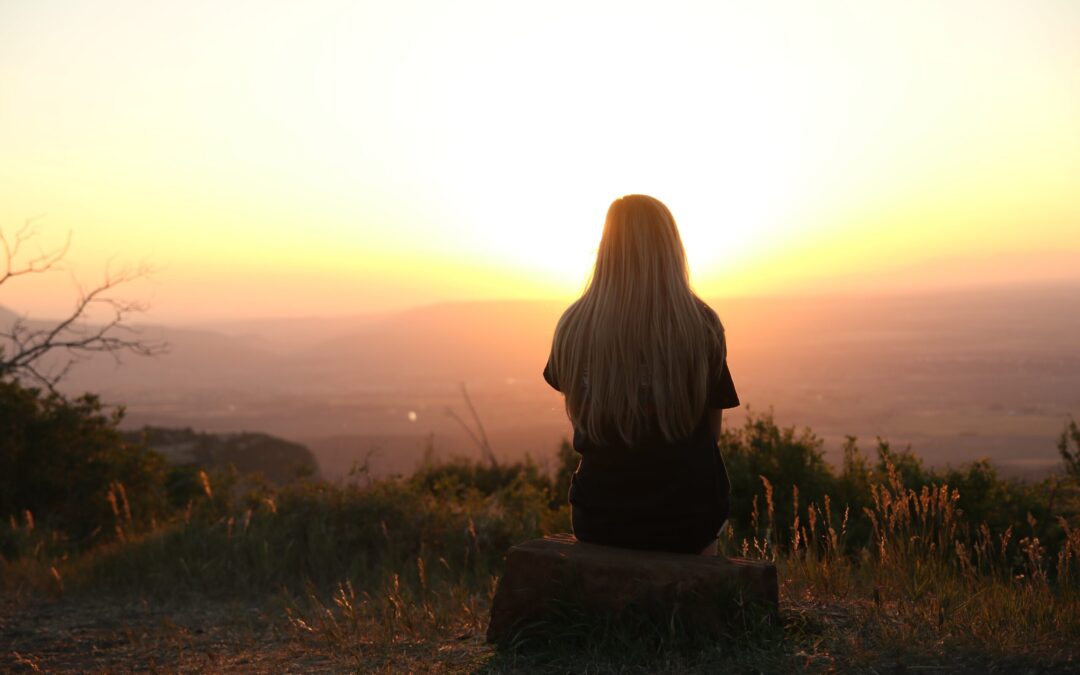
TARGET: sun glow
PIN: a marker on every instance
(355, 155)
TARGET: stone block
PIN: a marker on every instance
(544, 576)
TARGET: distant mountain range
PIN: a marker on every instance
(962, 374)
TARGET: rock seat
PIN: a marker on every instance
(544, 576)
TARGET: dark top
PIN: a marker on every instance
(655, 495)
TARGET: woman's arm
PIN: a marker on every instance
(715, 416)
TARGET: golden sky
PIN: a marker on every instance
(294, 158)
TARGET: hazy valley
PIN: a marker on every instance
(958, 375)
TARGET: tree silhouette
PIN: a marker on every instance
(1071, 458)
(25, 344)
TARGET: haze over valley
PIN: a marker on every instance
(959, 375)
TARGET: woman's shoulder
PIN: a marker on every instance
(710, 315)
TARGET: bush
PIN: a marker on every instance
(65, 462)
(455, 477)
(779, 473)
(787, 460)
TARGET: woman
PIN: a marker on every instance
(642, 363)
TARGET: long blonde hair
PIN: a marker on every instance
(637, 344)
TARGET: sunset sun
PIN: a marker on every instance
(446, 151)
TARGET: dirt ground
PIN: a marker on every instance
(106, 635)
(98, 634)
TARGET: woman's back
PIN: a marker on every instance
(642, 362)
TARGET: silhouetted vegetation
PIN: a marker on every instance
(1070, 435)
(67, 471)
(45, 352)
(880, 558)
(786, 467)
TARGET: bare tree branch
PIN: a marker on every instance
(43, 262)
(24, 346)
(479, 436)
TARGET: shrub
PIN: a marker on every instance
(791, 462)
(65, 462)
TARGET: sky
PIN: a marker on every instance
(291, 159)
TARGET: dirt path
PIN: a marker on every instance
(102, 634)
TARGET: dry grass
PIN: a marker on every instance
(398, 576)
